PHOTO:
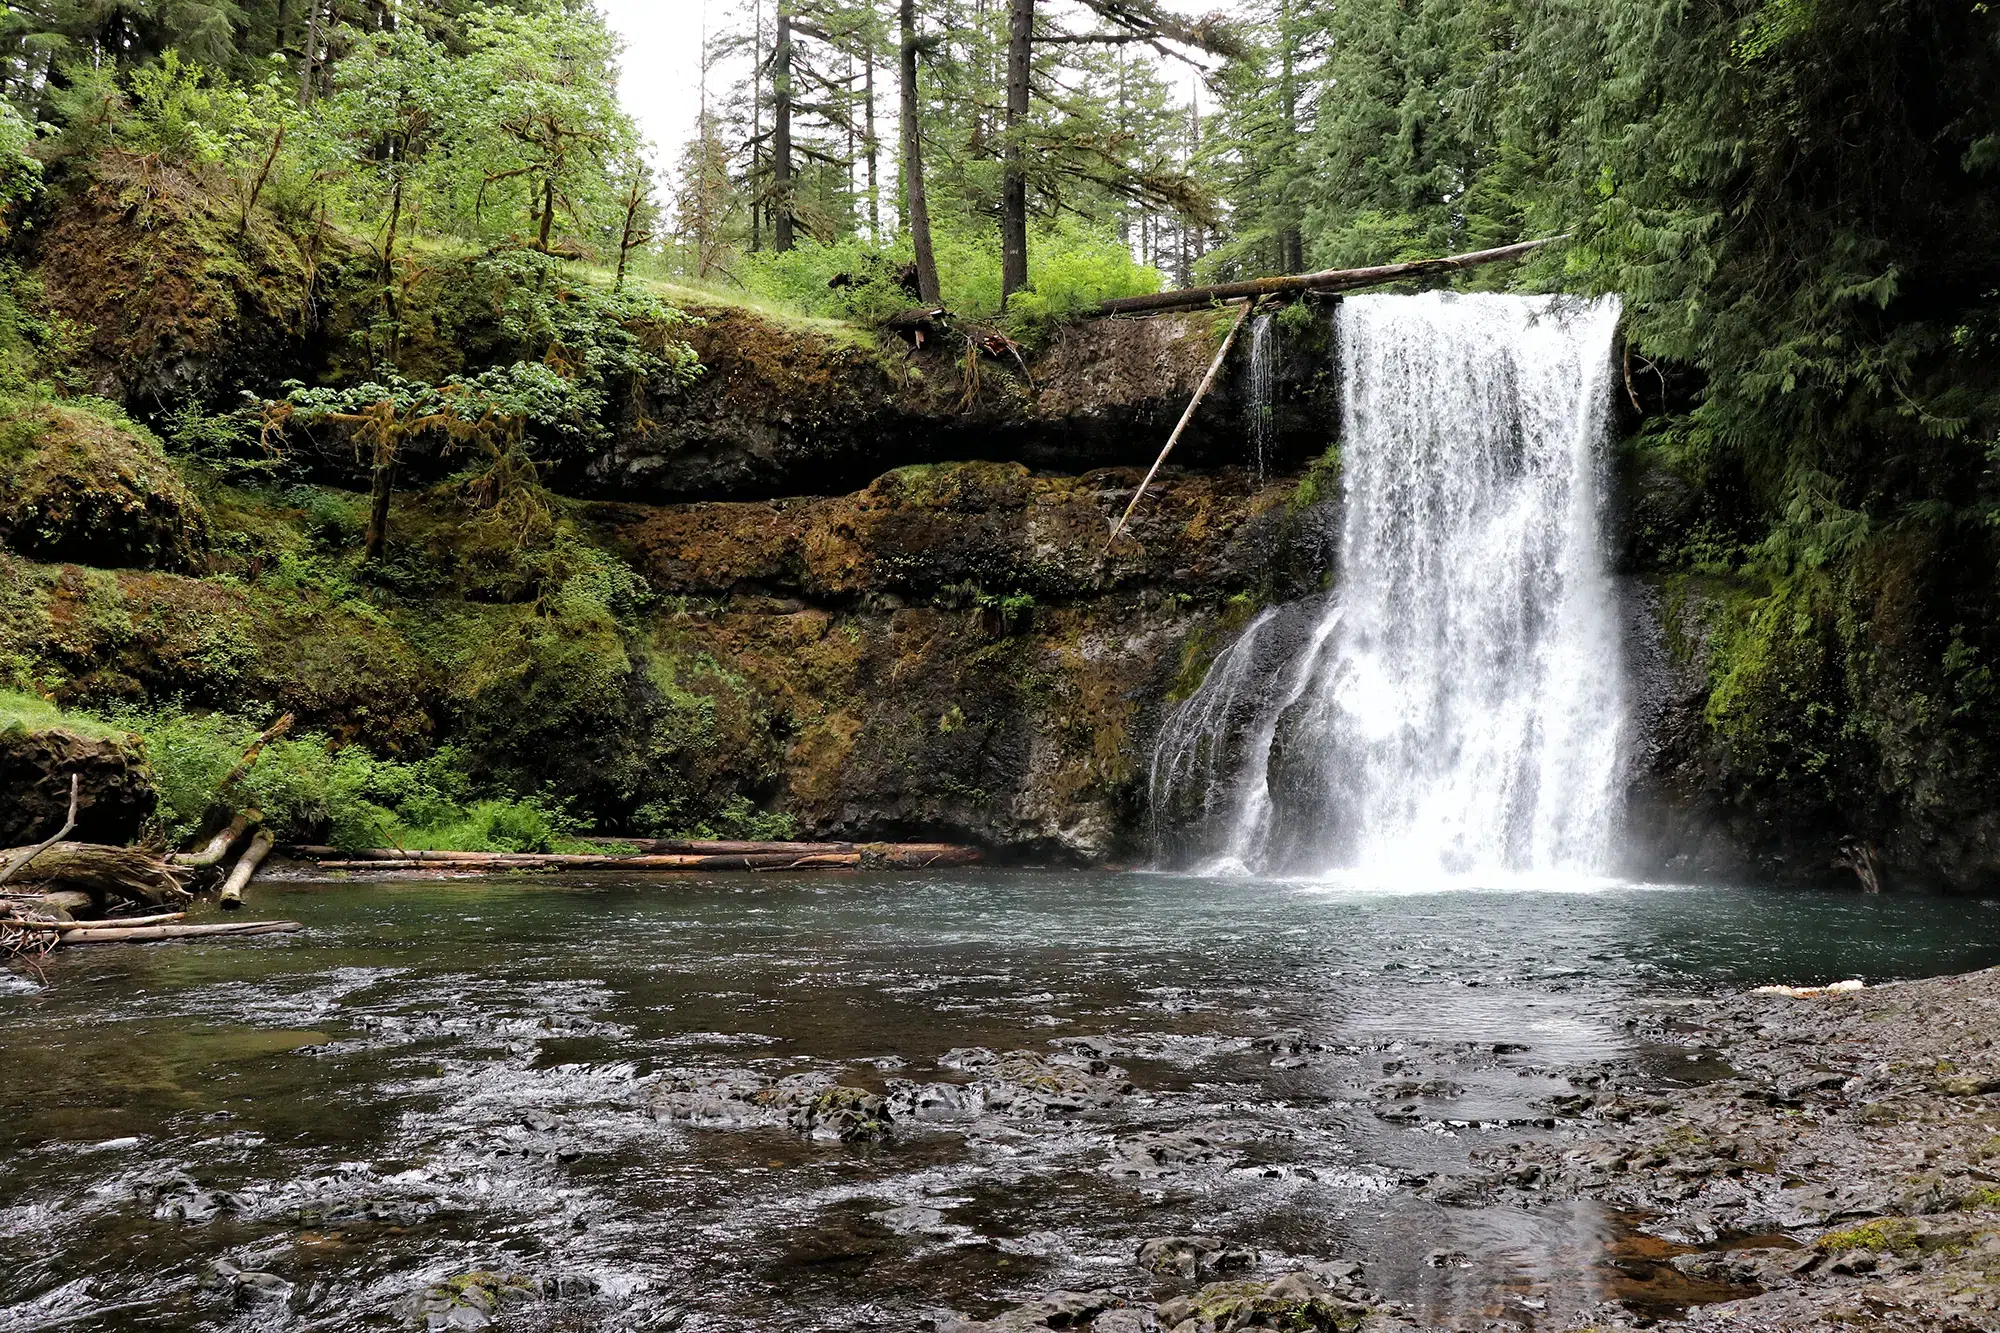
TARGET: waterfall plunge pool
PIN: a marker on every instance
(439, 1078)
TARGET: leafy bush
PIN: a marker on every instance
(1074, 264)
(738, 818)
(311, 790)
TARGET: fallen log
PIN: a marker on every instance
(1330, 280)
(245, 868)
(65, 901)
(218, 846)
(99, 933)
(917, 856)
(105, 923)
(722, 846)
(106, 871)
(500, 863)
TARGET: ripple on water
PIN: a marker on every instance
(421, 1087)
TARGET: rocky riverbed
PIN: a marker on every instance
(1840, 1169)
(1835, 1165)
(980, 1099)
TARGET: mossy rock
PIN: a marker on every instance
(851, 1115)
(1297, 1303)
(84, 488)
(177, 296)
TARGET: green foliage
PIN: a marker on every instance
(737, 819)
(1075, 266)
(310, 790)
(1320, 482)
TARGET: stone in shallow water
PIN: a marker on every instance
(1297, 1301)
(1162, 1154)
(1194, 1257)
(1056, 1309)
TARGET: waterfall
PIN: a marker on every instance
(1263, 395)
(1453, 711)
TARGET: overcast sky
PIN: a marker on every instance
(661, 74)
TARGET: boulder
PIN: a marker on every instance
(85, 489)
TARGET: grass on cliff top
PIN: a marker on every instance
(691, 295)
(28, 712)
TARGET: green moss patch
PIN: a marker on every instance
(88, 487)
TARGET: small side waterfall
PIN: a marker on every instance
(1263, 393)
(1454, 710)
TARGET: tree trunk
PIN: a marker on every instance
(381, 487)
(874, 146)
(756, 124)
(110, 933)
(103, 871)
(1014, 180)
(1201, 392)
(1332, 280)
(916, 208)
(245, 868)
(781, 132)
(309, 54)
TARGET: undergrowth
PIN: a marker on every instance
(310, 789)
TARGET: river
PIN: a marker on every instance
(519, 1077)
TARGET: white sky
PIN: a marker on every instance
(660, 80)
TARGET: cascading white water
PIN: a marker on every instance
(1263, 392)
(1455, 713)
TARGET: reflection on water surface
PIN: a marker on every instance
(442, 1078)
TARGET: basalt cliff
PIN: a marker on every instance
(864, 587)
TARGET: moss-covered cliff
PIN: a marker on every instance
(866, 646)
(849, 589)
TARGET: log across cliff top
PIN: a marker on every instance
(1331, 280)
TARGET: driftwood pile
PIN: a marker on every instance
(658, 854)
(119, 891)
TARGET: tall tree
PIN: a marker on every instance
(1123, 22)
(916, 206)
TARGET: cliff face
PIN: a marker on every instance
(863, 589)
(867, 588)
(796, 410)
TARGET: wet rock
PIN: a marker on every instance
(1057, 1309)
(363, 1212)
(720, 1099)
(1029, 1085)
(910, 1100)
(848, 1115)
(246, 1288)
(812, 1105)
(1297, 1301)
(178, 1197)
(1196, 1258)
(1160, 1154)
(468, 1301)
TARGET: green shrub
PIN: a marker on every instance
(1073, 266)
(312, 790)
(737, 819)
